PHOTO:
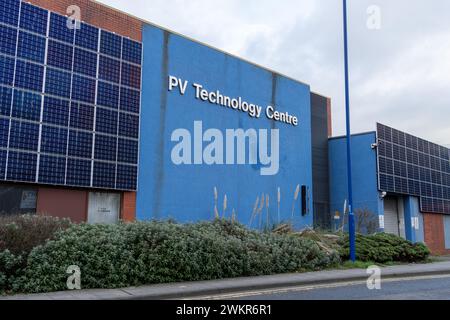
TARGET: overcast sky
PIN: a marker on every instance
(400, 73)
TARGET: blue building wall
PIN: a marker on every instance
(364, 170)
(185, 192)
(412, 211)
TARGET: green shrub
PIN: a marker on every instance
(18, 236)
(382, 248)
(161, 252)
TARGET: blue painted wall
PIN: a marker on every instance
(185, 193)
(447, 231)
(412, 210)
(365, 185)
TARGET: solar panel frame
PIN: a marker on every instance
(45, 118)
(420, 168)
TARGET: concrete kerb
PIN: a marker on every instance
(228, 286)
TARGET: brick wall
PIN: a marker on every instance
(434, 233)
(98, 15)
(128, 210)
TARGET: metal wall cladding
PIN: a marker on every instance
(69, 101)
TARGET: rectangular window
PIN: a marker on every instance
(16, 199)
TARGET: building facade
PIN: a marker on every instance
(111, 118)
(401, 182)
(106, 117)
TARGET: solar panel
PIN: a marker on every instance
(33, 18)
(128, 125)
(109, 69)
(90, 107)
(52, 170)
(58, 83)
(131, 76)
(130, 100)
(85, 62)
(105, 147)
(4, 132)
(81, 116)
(132, 51)
(110, 44)
(413, 166)
(83, 89)
(104, 175)
(26, 105)
(9, 12)
(87, 37)
(9, 40)
(56, 111)
(5, 101)
(24, 135)
(22, 166)
(2, 164)
(6, 70)
(126, 177)
(107, 95)
(31, 47)
(78, 172)
(60, 55)
(106, 121)
(54, 140)
(59, 30)
(80, 144)
(29, 76)
(128, 151)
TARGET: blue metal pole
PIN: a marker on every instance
(351, 216)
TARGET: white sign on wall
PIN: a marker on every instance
(381, 222)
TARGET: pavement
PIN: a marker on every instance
(188, 290)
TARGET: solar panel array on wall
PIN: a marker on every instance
(69, 101)
(413, 166)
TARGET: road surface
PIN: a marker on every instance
(418, 288)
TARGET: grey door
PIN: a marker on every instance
(391, 217)
(103, 208)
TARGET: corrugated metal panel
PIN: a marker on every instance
(391, 217)
(319, 125)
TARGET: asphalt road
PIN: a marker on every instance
(419, 288)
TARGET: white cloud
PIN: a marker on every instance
(399, 74)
